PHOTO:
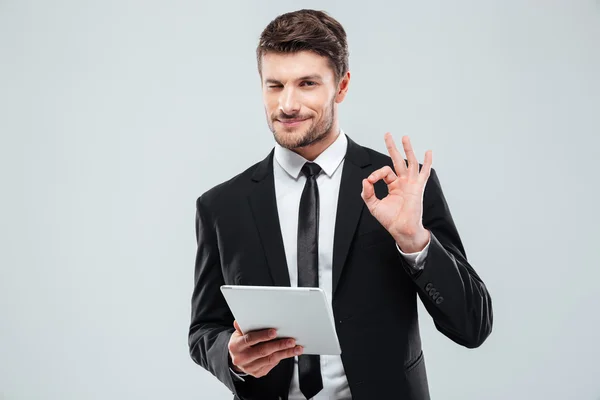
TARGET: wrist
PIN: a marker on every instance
(415, 242)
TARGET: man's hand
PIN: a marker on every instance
(401, 211)
(258, 352)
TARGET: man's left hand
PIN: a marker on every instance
(401, 211)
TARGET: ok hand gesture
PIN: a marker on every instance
(401, 211)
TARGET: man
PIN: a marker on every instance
(381, 225)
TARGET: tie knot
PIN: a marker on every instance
(311, 169)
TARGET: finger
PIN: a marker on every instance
(241, 356)
(265, 354)
(426, 168)
(269, 362)
(397, 159)
(413, 164)
(368, 194)
(260, 369)
(385, 173)
(263, 350)
(255, 337)
(264, 371)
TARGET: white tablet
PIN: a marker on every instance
(296, 312)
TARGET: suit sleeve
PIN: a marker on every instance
(415, 260)
(452, 292)
(211, 321)
(211, 324)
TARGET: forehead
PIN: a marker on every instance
(284, 66)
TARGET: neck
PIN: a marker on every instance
(314, 150)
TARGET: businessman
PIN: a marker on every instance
(372, 230)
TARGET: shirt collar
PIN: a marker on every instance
(329, 160)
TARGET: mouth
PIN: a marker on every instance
(288, 123)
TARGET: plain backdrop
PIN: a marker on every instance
(116, 115)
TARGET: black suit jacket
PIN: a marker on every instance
(374, 291)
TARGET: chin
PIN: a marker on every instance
(289, 140)
(297, 137)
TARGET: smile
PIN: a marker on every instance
(292, 122)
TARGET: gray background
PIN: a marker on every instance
(116, 115)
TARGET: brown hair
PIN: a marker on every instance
(306, 30)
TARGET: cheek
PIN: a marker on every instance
(313, 105)
(270, 103)
(319, 102)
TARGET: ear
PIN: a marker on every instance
(343, 88)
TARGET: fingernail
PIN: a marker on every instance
(298, 350)
(272, 333)
(291, 343)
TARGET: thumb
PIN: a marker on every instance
(237, 327)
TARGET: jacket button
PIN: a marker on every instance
(428, 286)
(431, 291)
(436, 295)
(439, 300)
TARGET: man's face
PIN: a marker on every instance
(299, 93)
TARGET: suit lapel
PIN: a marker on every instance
(350, 206)
(264, 209)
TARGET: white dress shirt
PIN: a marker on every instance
(289, 184)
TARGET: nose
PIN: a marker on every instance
(288, 102)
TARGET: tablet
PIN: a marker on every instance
(301, 313)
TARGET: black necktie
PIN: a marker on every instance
(309, 366)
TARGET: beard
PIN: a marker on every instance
(293, 138)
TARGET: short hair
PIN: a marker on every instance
(306, 30)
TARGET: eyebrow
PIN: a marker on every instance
(313, 77)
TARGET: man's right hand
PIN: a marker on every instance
(258, 352)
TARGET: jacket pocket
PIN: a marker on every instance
(373, 238)
(414, 363)
(416, 379)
